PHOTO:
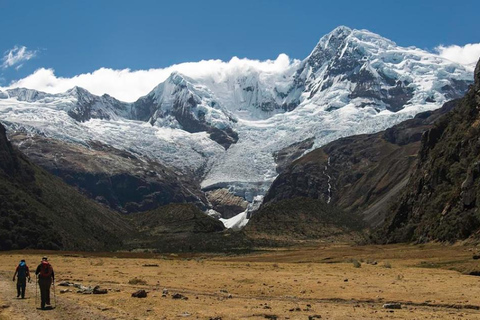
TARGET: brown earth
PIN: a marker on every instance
(313, 280)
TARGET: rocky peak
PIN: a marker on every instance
(178, 102)
(88, 106)
(24, 94)
(328, 47)
(178, 79)
(78, 91)
(344, 43)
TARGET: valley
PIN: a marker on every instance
(240, 160)
(334, 281)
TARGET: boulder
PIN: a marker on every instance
(139, 294)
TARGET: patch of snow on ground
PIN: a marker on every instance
(237, 222)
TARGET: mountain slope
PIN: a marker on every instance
(40, 211)
(184, 228)
(226, 124)
(360, 174)
(302, 218)
(120, 179)
(441, 199)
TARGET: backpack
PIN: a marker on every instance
(45, 269)
(22, 270)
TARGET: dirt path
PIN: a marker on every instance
(12, 307)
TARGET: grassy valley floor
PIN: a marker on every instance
(316, 279)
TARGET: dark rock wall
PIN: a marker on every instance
(442, 198)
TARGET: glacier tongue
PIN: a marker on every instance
(225, 123)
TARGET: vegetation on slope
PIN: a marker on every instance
(302, 218)
(38, 210)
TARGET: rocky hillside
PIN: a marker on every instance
(358, 175)
(442, 198)
(302, 218)
(38, 210)
(184, 228)
(120, 179)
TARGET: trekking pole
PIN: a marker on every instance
(36, 290)
(54, 295)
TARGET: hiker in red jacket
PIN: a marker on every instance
(45, 279)
(22, 274)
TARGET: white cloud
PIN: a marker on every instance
(128, 85)
(16, 57)
(467, 55)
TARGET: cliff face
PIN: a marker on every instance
(442, 198)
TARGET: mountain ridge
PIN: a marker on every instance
(227, 125)
(440, 201)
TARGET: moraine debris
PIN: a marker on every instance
(139, 294)
(392, 306)
(97, 290)
(179, 296)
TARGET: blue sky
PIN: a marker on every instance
(75, 37)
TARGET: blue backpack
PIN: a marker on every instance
(22, 270)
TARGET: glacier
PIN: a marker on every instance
(224, 124)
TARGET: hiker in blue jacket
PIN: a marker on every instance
(22, 273)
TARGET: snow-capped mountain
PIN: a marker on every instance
(227, 123)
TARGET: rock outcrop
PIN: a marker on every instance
(287, 155)
(226, 203)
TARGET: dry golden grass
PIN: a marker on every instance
(290, 283)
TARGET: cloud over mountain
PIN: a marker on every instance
(466, 55)
(128, 85)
